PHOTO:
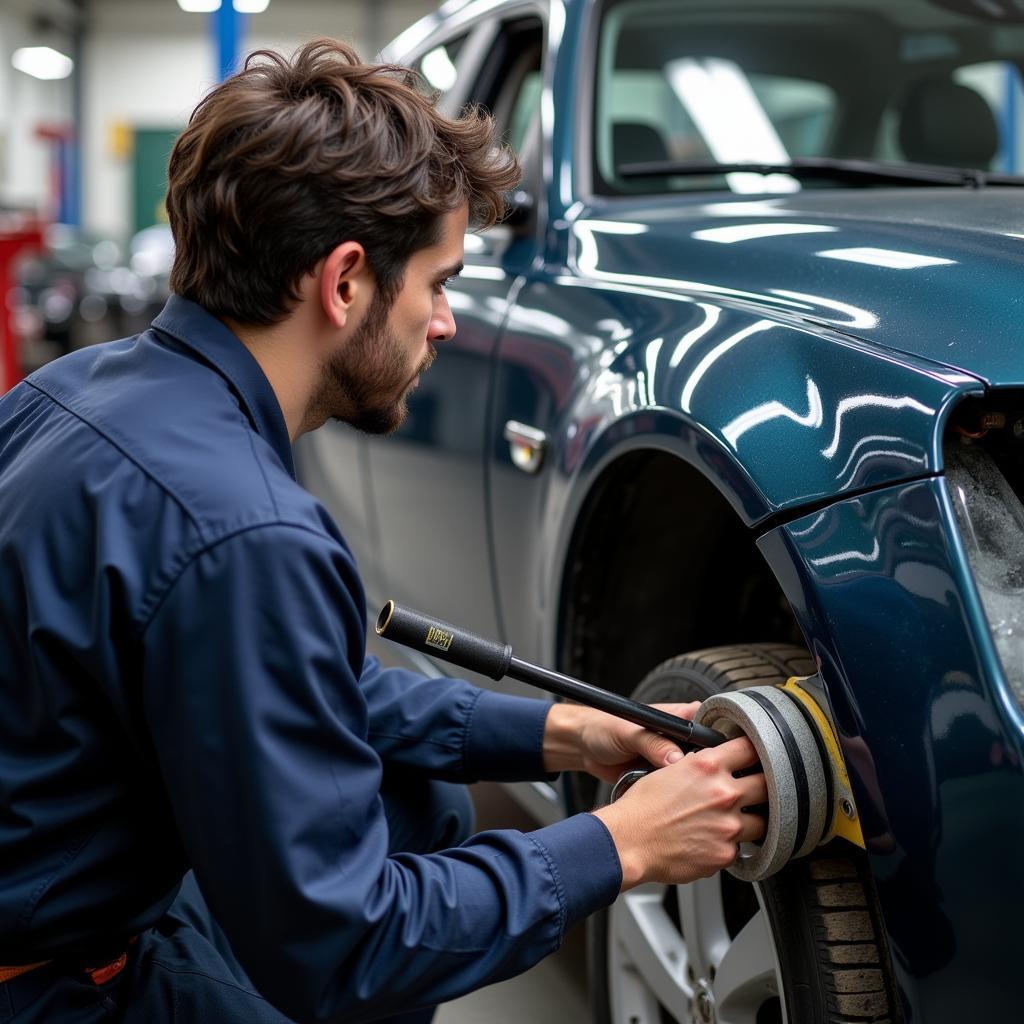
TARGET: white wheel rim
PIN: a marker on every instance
(699, 974)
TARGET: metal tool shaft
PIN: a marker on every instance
(460, 647)
(673, 726)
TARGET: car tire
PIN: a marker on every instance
(805, 946)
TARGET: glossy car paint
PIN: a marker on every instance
(931, 737)
(803, 353)
(933, 272)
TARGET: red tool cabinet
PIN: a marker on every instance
(18, 232)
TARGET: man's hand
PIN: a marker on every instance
(686, 821)
(578, 738)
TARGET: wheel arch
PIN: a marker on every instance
(659, 561)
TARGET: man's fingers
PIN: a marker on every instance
(736, 754)
(686, 711)
(752, 829)
(658, 750)
(753, 790)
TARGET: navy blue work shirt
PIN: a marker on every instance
(183, 683)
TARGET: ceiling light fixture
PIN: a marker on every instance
(42, 62)
(210, 6)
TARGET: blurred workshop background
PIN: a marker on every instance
(92, 96)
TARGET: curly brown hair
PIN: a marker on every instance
(289, 158)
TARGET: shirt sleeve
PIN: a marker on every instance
(261, 730)
(452, 730)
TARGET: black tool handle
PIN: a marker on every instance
(467, 650)
(442, 640)
(676, 728)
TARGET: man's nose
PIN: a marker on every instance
(442, 323)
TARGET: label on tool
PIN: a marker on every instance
(439, 638)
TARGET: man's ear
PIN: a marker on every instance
(346, 271)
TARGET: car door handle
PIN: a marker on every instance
(526, 446)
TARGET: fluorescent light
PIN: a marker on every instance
(209, 6)
(437, 68)
(42, 62)
(891, 259)
(747, 232)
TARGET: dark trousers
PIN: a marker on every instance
(182, 971)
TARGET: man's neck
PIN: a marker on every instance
(286, 357)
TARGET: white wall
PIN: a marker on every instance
(26, 103)
(146, 65)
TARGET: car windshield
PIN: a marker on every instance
(684, 84)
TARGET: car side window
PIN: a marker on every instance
(440, 67)
(510, 88)
(525, 110)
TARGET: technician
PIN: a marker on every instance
(213, 806)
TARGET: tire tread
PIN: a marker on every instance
(846, 939)
(849, 954)
(761, 664)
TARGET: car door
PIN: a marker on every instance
(333, 462)
(427, 481)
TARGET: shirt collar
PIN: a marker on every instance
(202, 332)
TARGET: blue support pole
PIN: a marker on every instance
(73, 180)
(228, 27)
(72, 200)
(65, 158)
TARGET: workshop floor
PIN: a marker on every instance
(553, 992)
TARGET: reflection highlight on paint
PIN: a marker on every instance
(691, 337)
(890, 259)
(749, 232)
(774, 410)
(715, 354)
(855, 316)
(848, 556)
(870, 401)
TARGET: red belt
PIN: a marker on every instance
(99, 975)
(6, 973)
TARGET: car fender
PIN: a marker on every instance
(780, 417)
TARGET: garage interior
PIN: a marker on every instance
(782, 251)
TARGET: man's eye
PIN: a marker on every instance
(441, 285)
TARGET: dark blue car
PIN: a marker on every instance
(737, 394)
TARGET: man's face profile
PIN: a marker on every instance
(366, 382)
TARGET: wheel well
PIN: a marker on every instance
(660, 565)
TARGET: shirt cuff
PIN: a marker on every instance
(584, 862)
(504, 739)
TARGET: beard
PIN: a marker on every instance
(366, 384)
